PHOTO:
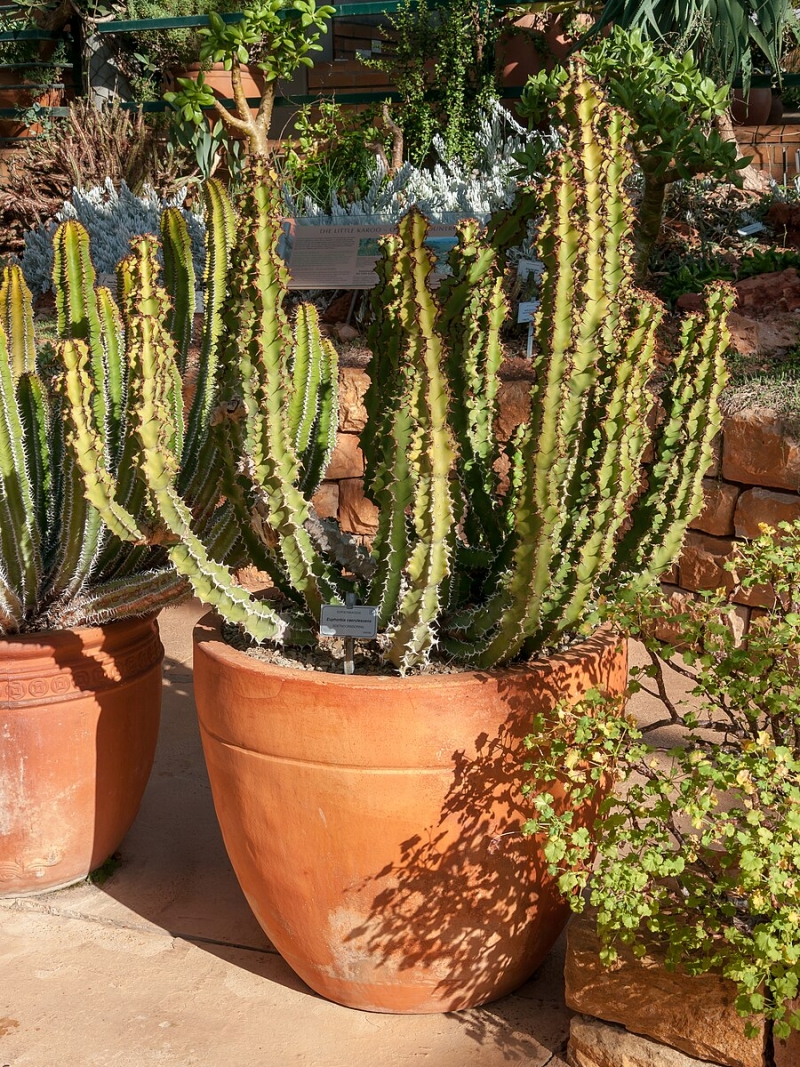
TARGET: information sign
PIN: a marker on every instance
(360, 621)
(344, 256)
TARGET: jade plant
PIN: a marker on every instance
(672, 107)
(466, 562)
(699, 852)
(274, 36)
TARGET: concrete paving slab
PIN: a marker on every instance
(164, 963)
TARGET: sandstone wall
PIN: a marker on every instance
(341, 495)
(755, 479)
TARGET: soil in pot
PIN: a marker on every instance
(374, 823)
(79, 715)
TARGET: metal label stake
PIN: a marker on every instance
(350, 622)
(350, 642)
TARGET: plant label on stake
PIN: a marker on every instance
(751, 229)
(525, 313)
(350, 622)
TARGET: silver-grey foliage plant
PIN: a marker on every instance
(112, 218)
(449, 186)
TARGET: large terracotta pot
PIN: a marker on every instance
(79, 714)
(752, 110)
(374, 822)
(15, 94)
(518, 56)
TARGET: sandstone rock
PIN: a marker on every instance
(757, 451)
(514, 404)
(353, 384)
(718, 508)
(677, 599)
(252, 578)
(689, 302)
(356, 514)
(767, 293)
(738, 622)
(736, 617)
(694, 1014)
(347, 460)
(343, 332)
(764, 506)
(326, 500)
(778, 334)
(744, 334)
(701, 564)
(596, 1044)
(716, 450)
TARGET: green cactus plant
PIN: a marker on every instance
(460, 564)
(62, 564)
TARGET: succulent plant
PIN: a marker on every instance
(60, 565)
(460, 563)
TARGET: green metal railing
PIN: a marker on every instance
(125, 26)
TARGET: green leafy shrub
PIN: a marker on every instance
(692, 276)
(699, 849)
(332, 153)
(442, 62)
(765, 261)
(672, 107)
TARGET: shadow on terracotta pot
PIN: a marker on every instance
(374, 823)
(450, 906)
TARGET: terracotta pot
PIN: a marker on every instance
(79, 714)
(775, 115)
(374, 822)
(218, 81)
(518, 55)
(11, 96)
(754, 110)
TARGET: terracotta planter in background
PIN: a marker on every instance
(374, 822)
(79, 715)
(754, 110)
(22, 98)
(218, 81)
(518, 56)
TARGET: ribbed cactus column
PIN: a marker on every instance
(577, 465)
(483, 567)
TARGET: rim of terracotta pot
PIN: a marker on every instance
(89, 635)
(208, 631)
(113, 625)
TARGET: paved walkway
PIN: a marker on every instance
(164, 964)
